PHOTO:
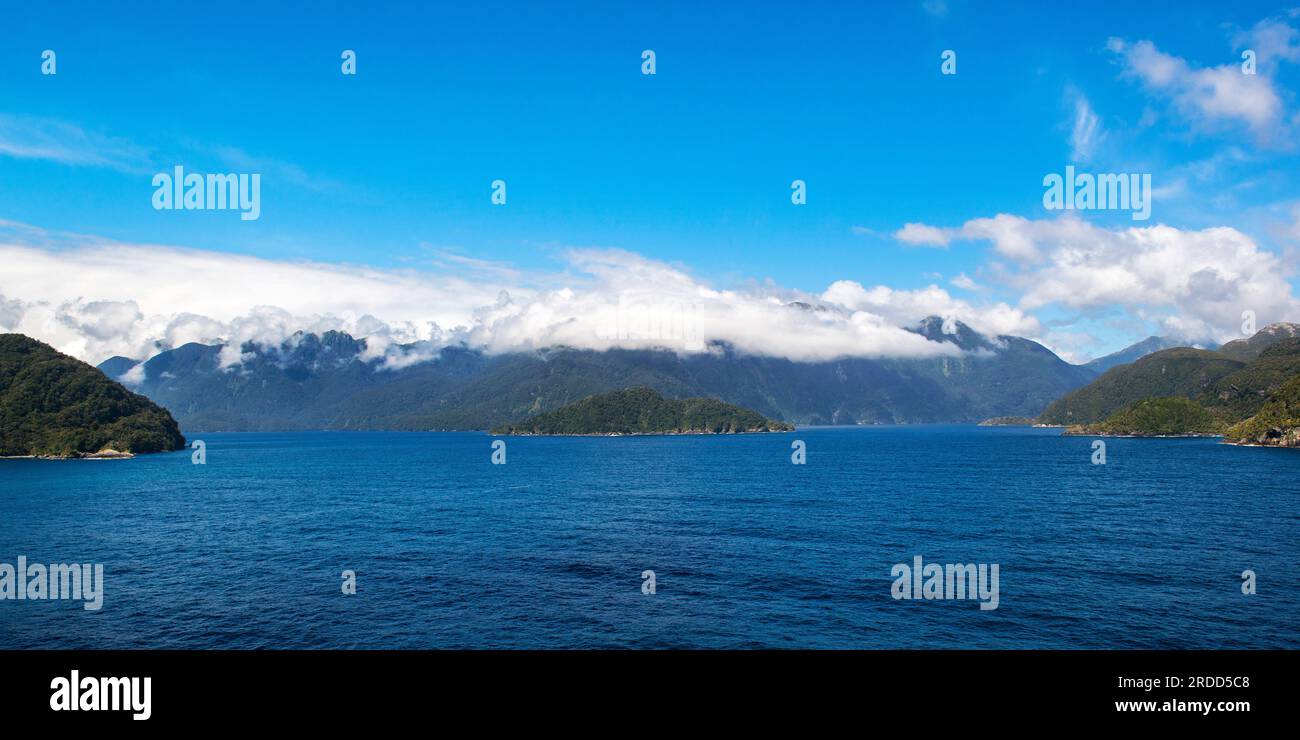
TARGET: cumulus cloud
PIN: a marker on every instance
(1195, 283)
(920, 235)
(1015, 237)
(95, 298)
(901, 305)
(1211, 97)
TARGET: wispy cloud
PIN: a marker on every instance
(935, 8)
(1085, 131)
(234, 159)
(24, 137)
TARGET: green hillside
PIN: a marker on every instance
(1155, 417)
(1241, 393)
(1182, 372)
(1250, 396)
(1276, 424)
(54, 405)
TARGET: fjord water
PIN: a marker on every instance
(748, 549)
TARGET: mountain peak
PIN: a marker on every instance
(1250, 347)
(1131, 353)
(949, 329)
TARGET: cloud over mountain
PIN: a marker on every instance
(94, 298)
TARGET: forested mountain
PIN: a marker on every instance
(323, 382)
(1231, 388)
(1254, 400)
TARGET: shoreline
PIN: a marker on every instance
(101, 455)
(1141, 436)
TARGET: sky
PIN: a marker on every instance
(629, 194)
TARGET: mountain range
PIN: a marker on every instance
(325, 381)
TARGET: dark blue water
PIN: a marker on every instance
(749, 550)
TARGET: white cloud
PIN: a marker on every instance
(1014, 237)
(1273, 40)
(1196, 283)
(24, 137)
(1086, 131)
(93, 299)
(1209, 97)
(920, 235)
(900, 306)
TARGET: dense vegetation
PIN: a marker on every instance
(1277, 423)
(1008, 421)
(1246, 391)
(1182, 372)
(1155, 417)
(1241, 393)
(55, 405)
(643, 411)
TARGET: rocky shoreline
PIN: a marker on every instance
(1288, 439)
(105, 454)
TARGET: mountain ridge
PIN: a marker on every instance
(322, 382)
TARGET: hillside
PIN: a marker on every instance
(55, 405)
(1241, 393)
(1187, 391)
(643, 411)
(1182, 372)
(1155, 417)
(1278, 422)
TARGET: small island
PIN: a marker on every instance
(644, 411)
(1008, 421)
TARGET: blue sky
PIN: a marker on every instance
(692, 166)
